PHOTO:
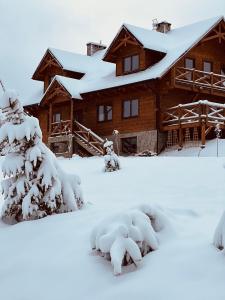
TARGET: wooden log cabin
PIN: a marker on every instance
(158, 87)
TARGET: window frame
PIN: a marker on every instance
(123, 110)
(105, 113)
(131, 63)
(207, 61)
(190, 58)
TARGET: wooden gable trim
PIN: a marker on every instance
(217, 33)
(199, 41)
(46, 62)
(55, 89)
(117, 43)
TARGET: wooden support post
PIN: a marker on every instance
(50, 118)
(71, 114)
(203, 133)
(180, 129)
(203, 124)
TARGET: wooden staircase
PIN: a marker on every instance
(88, 140)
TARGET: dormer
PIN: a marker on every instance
(129, 53)
(56, 62)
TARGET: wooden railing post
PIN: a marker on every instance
(50, 118)
(71, 114)
(180, 128)
(203, 124)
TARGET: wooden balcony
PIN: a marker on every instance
(203, 114)
(199, 81)
(84, 136)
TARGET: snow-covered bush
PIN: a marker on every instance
(127, 237)
(112, 162)
(219, 235)
(35, 185)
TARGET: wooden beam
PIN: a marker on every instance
(50, 118)
(203, 133)
(71, 114)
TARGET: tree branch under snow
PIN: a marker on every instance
(127, 237)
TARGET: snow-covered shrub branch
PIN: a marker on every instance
(127, 237)
(35, 185)
(112, 162)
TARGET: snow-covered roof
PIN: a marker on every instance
(101, 75)
(78, 62)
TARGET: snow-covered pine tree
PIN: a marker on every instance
(112, 162)
(35, 185)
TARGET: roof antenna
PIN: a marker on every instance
(2, 85)
(155, 24)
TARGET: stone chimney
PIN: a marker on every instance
(162, 27)
(94, 47)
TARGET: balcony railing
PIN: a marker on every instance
(61, 128)
(196, 79)
(193, 114)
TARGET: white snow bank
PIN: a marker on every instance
(55, 252)
(191, 149)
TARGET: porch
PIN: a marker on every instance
(69, 136)
(192, 122)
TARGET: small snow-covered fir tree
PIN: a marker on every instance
(35, 185)
(112, 162)
(125, 238)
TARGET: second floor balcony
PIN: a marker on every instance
(199, 81)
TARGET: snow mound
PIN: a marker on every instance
(127, 237)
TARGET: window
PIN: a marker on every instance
(129, 145)
(207, 66)
(56, 117)
(104, 113)
(189, 63)
(131, 63)
(130, 108)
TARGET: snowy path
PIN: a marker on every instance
(50, 259)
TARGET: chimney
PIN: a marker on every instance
(94, 47)
(162, 27)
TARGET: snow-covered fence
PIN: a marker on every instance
(127, 237)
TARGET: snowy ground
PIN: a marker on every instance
(51, 259)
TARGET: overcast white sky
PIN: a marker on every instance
(29, 27)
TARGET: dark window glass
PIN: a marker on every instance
(126, 109)
(56, 117)
(189, 63)
(134, 108)
(127, 64)
(207, 66)
(130, 108)
(104, 113)
(109, 112)
(135, 62)
(129, 145)
(131, 63)
(101, 114)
